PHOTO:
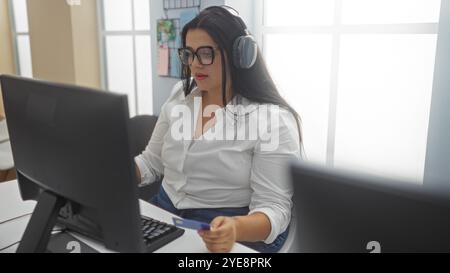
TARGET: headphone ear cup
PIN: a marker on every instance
(237, 53)
(245, 52)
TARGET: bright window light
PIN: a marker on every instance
(143, 74)
(309, 64)
(119, 52)
(21, 38)
(390, 11)
(20, 15)
(377, 81)
(126, 49)
(384, 98)
(299, 12)
(24, 54)
(141, 14)
(117, 15)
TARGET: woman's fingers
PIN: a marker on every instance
(217, 222)
(215, 240)
(221, 237)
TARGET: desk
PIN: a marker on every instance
(6, 158)
(11, 205)
(3, 130)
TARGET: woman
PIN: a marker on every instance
(237, 185)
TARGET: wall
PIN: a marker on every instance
(51, 40)
(7, 64)
(437, 171)
(86, 48)
(161, 85)
(64, 43)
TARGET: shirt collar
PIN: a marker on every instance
(238, 106)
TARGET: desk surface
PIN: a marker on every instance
(3, 131)
(6, 159)
(11, 205)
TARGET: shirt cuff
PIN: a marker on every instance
(275, 227)
(143, 169)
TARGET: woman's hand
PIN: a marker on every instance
(225, 231)
(222, 235)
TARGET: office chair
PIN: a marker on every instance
(141, 129)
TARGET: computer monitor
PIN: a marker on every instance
(71, 151)
(342, 211)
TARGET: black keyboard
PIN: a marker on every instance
(157, 234)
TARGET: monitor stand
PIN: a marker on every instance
(43, 219)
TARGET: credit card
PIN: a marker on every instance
(191, 224)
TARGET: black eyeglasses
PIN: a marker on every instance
(205, 55)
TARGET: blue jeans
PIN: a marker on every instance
(207, 215)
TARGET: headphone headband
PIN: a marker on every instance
(245, 49)
(233, 12)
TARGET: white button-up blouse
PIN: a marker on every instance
(235, 170)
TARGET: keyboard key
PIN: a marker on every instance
(156, 234)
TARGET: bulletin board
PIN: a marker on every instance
(177, 14)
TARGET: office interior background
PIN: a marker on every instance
(368, 77)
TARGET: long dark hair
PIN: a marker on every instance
(255, 83)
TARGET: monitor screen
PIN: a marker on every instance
(71, 150)
(343, 211)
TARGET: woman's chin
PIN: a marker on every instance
(202, 85)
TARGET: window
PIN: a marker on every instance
(360, 74)
(21, 37)
(126, 51)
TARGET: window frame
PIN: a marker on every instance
(103, 34)
(15, 37)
